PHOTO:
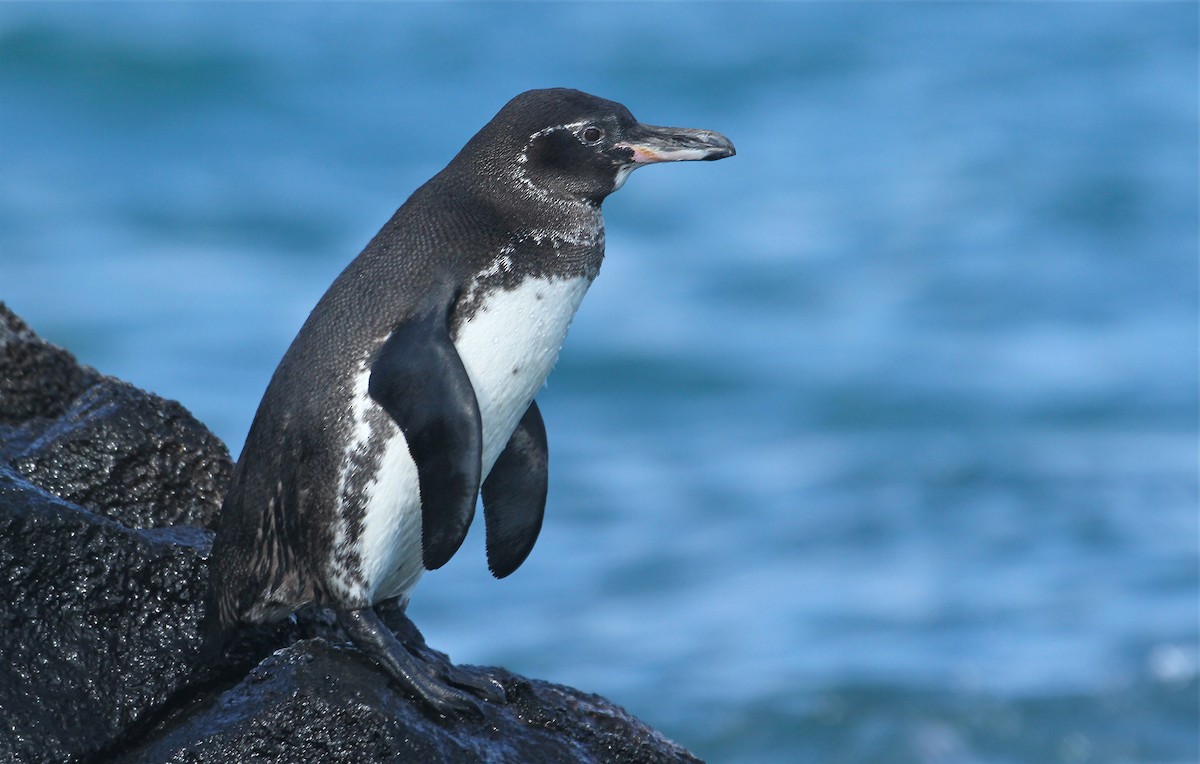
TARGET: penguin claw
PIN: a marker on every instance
(485, 687)
(455, 704)
(424, 672)
(438, 664)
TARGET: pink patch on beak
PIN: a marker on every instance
(643, 155)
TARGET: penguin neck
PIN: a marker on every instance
(528, 225)
(567, 225)
(539, 213)
(537, 216)
(544, 245)
(532, 210)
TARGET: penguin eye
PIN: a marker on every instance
(592, 134)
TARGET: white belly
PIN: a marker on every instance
(508, 348)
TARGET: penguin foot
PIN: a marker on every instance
(424, 672)
(438, 663)
(441, 669)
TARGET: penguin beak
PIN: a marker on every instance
(674, 144)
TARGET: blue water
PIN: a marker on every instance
(876, 443)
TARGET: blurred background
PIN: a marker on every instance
(876, 443)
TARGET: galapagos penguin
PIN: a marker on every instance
(410, 388)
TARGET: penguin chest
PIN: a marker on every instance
(508, 344)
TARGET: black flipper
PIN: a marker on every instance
(514, 495)
(420, 381)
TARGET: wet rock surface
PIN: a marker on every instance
(107, 499)
(320, 702)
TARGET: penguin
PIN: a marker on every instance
(409, 390)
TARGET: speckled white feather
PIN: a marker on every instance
(341, 582)
(508, 348)
(391, 538)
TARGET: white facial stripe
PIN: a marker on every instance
(548, 130)
(526, 185)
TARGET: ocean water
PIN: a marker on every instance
(875, 443)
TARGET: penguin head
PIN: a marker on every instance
(569, 145)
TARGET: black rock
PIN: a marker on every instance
(131, 457)
(39, 379)
(107, 495)
(322, 703)
(96, 625)
(102, 443)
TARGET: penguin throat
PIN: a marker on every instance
(623, 175)
(546, 216)
(533, 191)
(582, 230)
